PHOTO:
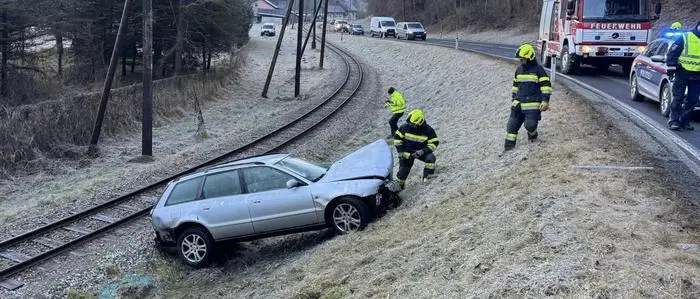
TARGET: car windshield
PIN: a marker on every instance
(309, 171)
(356, 26)
(616, 10)
(388, 24)
(415, 26)
(268, 26)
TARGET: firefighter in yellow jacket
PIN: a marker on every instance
(530, 92)
(398, 107)
(415, 140)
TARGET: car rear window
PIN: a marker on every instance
(222, 184)
(184, 191)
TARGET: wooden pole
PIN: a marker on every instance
(108, 80)
(313, 24)
(147, 121)
(300, 35)
(323, 34)
(277, 49)
(306, 41)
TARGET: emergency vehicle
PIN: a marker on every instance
(595, 32)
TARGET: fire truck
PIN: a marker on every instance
(599, 33)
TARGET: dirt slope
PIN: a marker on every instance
(529, 224)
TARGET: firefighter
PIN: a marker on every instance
(675, 31)
(530, 93)
(684, 55)
(415, 140)
(398, 107)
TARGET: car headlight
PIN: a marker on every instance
(586, 49)
(641, 49)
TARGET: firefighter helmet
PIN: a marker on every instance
(526, 51)
(676, 26)
(416, 117)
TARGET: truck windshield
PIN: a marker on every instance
(616, 10)
(388, 24)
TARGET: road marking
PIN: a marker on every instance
(607, 167)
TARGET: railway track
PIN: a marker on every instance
(33, 247)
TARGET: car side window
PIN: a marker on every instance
(652, 48)
(185, 191)
(222, 184)
(662, 50)
(261, 179)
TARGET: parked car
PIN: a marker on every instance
(410, 30)
(341, 26)
(649, 76)
(382, 27)
(356, 29)
(268, 29)
(272, 195)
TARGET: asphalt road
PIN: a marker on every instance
(612, 82)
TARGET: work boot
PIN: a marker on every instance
(674, 126)
(532, 137)
(509, 145)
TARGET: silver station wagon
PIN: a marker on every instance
(272, 195)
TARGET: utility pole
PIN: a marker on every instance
(285, 22)
(306, 41)
(313, 24)
(300, 35)
(97, 128)
(403, 2)
(323, 34)
(147, 121)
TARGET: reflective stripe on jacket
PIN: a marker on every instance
(531, 84)
(410, 138)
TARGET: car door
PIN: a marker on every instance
(658, 70)
(272, 205)
(645, 70)
(224, 206)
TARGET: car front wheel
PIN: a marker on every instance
(348, 215)
(195, 247)
(634, 90)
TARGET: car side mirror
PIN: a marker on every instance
(658, 58)
(291, 184)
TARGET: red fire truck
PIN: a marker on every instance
(595, 32)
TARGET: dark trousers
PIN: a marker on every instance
(682, 107)
(405, 165)
(518, 117)
(393, 122)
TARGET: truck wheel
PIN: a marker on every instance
(546, 60)
(570, 63)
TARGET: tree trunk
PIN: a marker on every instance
(124, 49)
(209, 61)
(5, 55)
(134, 52)
(59, 51)
(180, 37)
(204, 57)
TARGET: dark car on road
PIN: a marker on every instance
(356, 29)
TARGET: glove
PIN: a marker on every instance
(417, 154)
(544, 106)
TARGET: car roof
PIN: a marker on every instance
(268, 159)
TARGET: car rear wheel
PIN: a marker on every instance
(634, 90)
(665, 100)
(195, 247)
(348, 215)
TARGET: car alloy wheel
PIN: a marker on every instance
(665, 101)
(346, 218)
(193, 248)
(634, 90)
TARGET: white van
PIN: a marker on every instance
(382, 26)
(410, 30)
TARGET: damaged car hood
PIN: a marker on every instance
(371, 161)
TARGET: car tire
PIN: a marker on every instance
(347, 215)
(570, 63)
(195, 247)
(634, 90)
(665, 99)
